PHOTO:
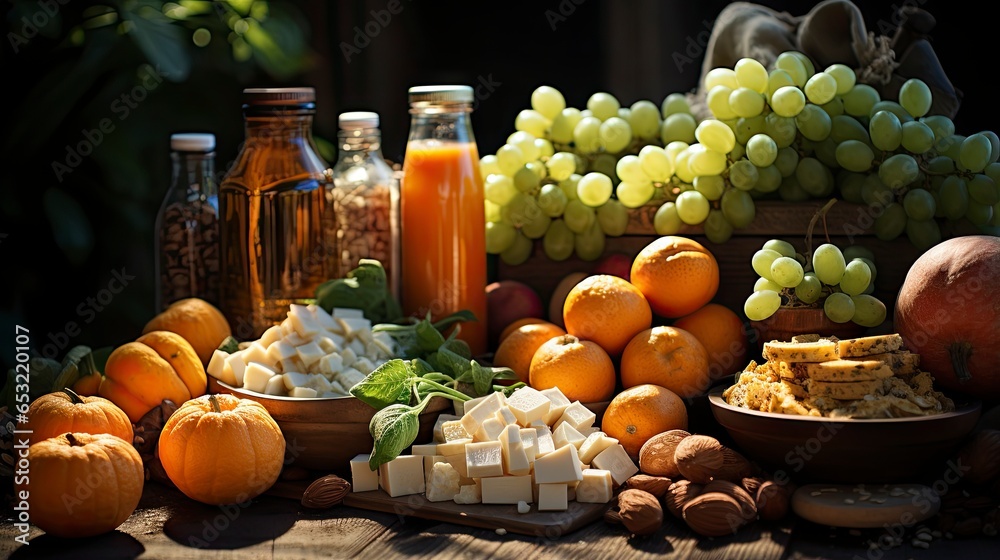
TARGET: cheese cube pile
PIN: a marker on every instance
(310, 354)
(535, 447)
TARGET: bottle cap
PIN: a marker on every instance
(279, 96)
(432, 94)
(356, 120)
(192, 142)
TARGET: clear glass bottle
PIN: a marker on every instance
(186, 237)
(441, 211)
(278, 233)
(365, 198)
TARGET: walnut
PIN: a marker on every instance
(699, 458)
(982, 456)
(656, 457)
(638, 510)
(655, 485)
(326, 492)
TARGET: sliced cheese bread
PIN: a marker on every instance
(812, 337)
(868, 345)
(901, 362)
(845, 370)
(820, 351)
(845, 391)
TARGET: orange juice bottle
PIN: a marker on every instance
(442, 221)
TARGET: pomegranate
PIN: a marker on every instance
(948, 311)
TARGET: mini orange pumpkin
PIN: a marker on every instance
(82, 484)
(64, 411)
(158, 365)
(199, 322)
(220, 449)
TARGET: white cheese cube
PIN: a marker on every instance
(337, 339)
(444, 483)
(529, 442)
(271, 335)
(616, 460)
(567, 435)
(515, 461)
(348, 313)
(559, 466)
(590, 430)
(453, 447)
(557, 404)
(553, 497)
(237, 366)
(402, 476)
(293, 364)
(293, 379)
(539, 424)
(439, 426)
(386, 345)
(578, 416)
(303, 321)
(216, 363)
(469, 494)
(357, 347)
(287, 328)
(487, 408)
(256, 377)
(365, 336)
(505, 416)
(594, 444)
(281, 350)
(347, 356)
(330, 364)
(324, 319)
(506, 489)
(373, 351)
(256, 353)
(528, 405)
(597, 487)
(319, 383)
(458, 461)
(327, 344)
(353, 324)
(363, 479)
(543, 443)
(364, 365)
(429, 461)
(484, 459)
(461, 407)
(275, 386)
(453, 430)
(424, 449)
(489, 430)
(309, 353)
(294, 339)
(350, 377)
(303, 392)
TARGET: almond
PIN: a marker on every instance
(772, 501)
(326, 492)
(638, 510)
(748, 506)
(680, 493)
(655, 485)
(656, 456)
(713, 514)
(735, 467)
(751, 484)
(699, 458)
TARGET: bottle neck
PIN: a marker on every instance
(271, 128)
(441, 121)
(194, 172)
(360, 141)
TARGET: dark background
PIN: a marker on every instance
(61, 240)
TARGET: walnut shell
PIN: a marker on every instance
(655, 485)
(699, 458)
(680, 493)
(639, 511)
(735, 467)
(713, 514)
(748, 505)
(982, 456)
(656, 456)
(773, 501)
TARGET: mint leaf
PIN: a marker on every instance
(459, 347)
(482, 378)
(394, 428)
(451, 363)
(388, 384)
(428, 338)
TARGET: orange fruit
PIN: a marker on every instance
(607, 310)
(199, 322)
(668, 357)
(519, 347)
(721, 332)
(581, 369)
(518, 324)
(676, 274)
(639, 413)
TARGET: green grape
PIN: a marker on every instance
(655, 163)
(826, 152)
(545, 148)
(675, 103)
(828, 263)
(499, 189)
(925, 234)
(983, 190)
(605, 164)
(995, 221)
(678, 127)
(915, 97)
(587, 135)
(536, 225)
(711, 186)
(979, 214)
(806, 63)
(856, 278)
(594, 189)
(919, 204)
(715, 135)
(791, 63)
(634, 195)
(603, 105)
(561, 165)
(538, 168)
(492, 211)
(768, 180)
(552, 200)
(868, 311)
(834, 107)
(488, 165)
(854, 156)
(786, 161)
(917, 137)
(821, 88)
(788, 101)
(874, 192)
(761, 305)
(738, 207)
(630, 169)
(850, 183)
(777, 79)
(692, 207)
(510, 159)
(852, 252)
(579, 217)
(942, 126)
(615, 134)
(532, 122)
(762, 261)
(743, 175)
(522, 209)
(786, 272)
(751, 74)
(895, 108)
(717, 228)
(994, 143)
(499, 236)
(569, 185)
(746, 102)
(676, 147)
(858, 102)
(781, 129)
(791, 191)
(845, 128)
(952, 147)
(718, 102)
(747, 127)
(519, 250)
(954, 197)
(891, 223)
(703, 161)
(844, 76)
(526, 181)
(871, 266)
(526, 142)
(783, 248)
(810, 289)
(613, 217)
(885, 130)
(975, 152)
(765, 284)
(941, 165)
(558, 242)
(761, 150)
(548, 101)
(682, 167)
(738, 153)
(812, 176)
(839, 307)
(814, 123)
(721, 77)
(563, 125)
(666, 221)
(644, 118)
(993, 171)
(898, 171)
(589, 245)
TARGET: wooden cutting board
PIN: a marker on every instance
(546, 524)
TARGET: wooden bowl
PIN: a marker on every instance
(791, 321)
(814, 449)
(324, 434)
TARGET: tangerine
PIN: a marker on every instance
(677, 275)
(607, 310)
(581, 369)
(639, 413)
(721, 332)
(520, 346)
(668, 357)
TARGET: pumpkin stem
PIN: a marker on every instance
(72, 440)
(960, 354)
(215, 404)
(73, 397)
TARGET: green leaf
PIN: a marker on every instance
(230, 345)
(482, 378)
(456, 317)
(428, 338)
(503, 373)
(388, 384)
(163, 43)
(76, 364)
(459, 347)
(451, 363)
(509, 390)
(394, 428)
(421, 367)
(365, 288)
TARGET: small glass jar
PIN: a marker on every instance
(187, 226)
(365, 198)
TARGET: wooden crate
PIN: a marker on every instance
(846, 223)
